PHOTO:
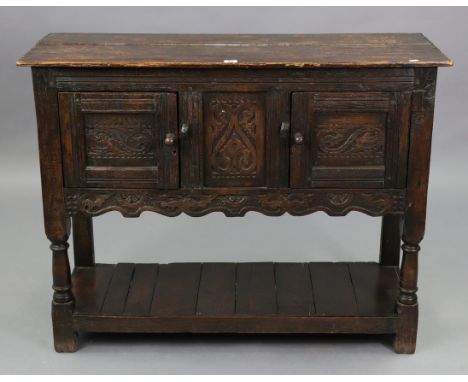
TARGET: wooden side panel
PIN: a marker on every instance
(333, 289)
(217, 292)
(294, 294)
(176, 290)
(256, 289)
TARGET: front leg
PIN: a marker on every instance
(65, 339)
(56, 224)
(415, 216)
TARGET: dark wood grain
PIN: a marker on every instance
(234, 131)
(236, 324)
(390, 240)
(294, 294)
(83, 240)
(190, 114)
(116, 296)
(217, 292)
(299, 176)
(208, 51)
(176, 290)
(278, 138)
(227, 289)
(140, 294)
(225, 79)
(235, 201)
(255, 289)
(422, 116)
(333, 289)
(348, 139)
(90, 287)
(118, 139)
(259, 297)
(56, 223)
(375, 288)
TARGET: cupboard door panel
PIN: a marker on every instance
(119, 139)
(348, 140)
(234, 131)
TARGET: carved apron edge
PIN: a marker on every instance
(131, 203)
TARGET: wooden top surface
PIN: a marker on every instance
(239, 51)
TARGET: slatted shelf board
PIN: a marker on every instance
(242, 297)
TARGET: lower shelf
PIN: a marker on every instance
(236, 298)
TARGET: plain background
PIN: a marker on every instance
(25, 275)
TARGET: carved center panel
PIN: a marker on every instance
(234, 128)
(123, 137)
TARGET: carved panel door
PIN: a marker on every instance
(120, 139)
(349, 139)
(241, 139)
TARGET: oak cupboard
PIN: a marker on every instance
(235, 123)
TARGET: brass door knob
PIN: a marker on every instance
(170, 139)
(298, 139)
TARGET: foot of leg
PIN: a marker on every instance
(405, 339)
(65, 339)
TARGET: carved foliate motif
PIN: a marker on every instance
(234, 129)
(340, 199)
(350, 138)
(119, 136)
(358, 143)
(172, 203)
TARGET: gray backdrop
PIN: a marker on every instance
(25, 276)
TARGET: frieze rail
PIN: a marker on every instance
(334, 202)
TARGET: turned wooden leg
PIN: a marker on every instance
(56, 222)
(83, 242)
(390, 240)
(62, 304)
(422, 110)
(407, 304)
